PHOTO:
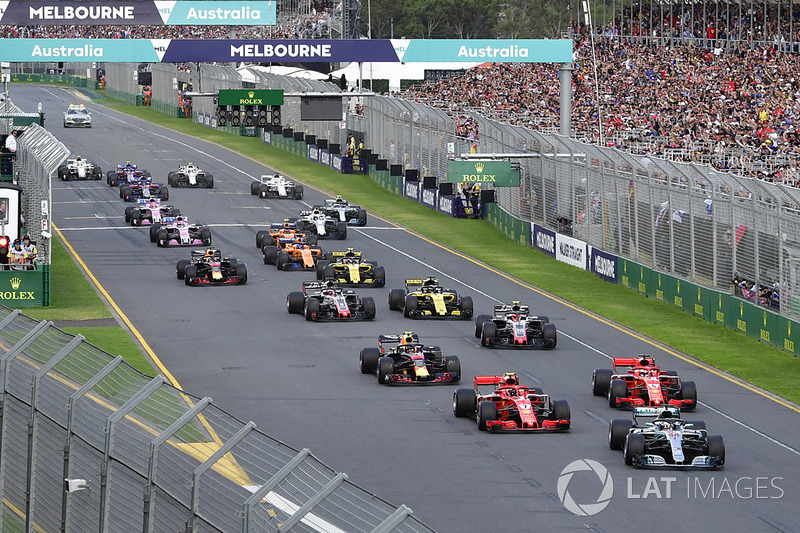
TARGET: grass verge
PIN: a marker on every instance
(726, 350)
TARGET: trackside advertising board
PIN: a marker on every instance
(603, 264)
(274, 50)
(543, 239)
(571, 251)
(140, 13)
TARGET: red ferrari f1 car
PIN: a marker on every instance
(638, 382)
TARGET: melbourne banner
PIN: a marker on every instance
(277, 50)
(140, 13)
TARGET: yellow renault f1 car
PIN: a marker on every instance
(425, 298)
(349, 269)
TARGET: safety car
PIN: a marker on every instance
(210, 267)
(128, 172)
(190, 176)
(77, 116)
(323, 226)
(513, 326)
(349, 269)
(180, 232)
(342, 210)
(500, 403)
(78, 168)
(425, 298)
(658, 437)
(148, 212)
(401, 359)
(637, 382)
(324, 300)
(276, 186)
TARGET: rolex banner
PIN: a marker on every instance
(498, 173)
(21, 288)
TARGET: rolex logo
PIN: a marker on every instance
(251, 94)
(15, 283)
(478, 167)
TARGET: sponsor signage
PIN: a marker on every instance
(325, 157)
(498, 173)
(250, 97)
(336, 162)
(411, 190)
(234, 50)
(266, 136)
(429, 197)
(21, 288)
(603, 264)
(544, 240)
(144, 13)
(571, 251)
(312, 152)
(446, 204)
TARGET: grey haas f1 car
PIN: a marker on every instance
(78, 168)
(324, 300)
(210, 267)
(276, 187)
(190, 176)
(513, 326)
(658, 437)
(408, 361)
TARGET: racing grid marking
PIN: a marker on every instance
(514, 280)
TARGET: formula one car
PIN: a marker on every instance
(425, 298)
(509, 406)
(513, 326)
(149, 212)
(143, 188)
(324, 227)
(276, 187)
(125, 173)
(637, 382)
(178, 231)
(78, 168)
(658, 437)
(282, 230)
(350, 270)
(77, 116)
(210, 267)
(409, 361)
(190, 176)
(323, 300)
(344, 211)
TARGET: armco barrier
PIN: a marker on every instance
(144, 456)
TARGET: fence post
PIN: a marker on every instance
(263, 490)
(310, 504)
(393, 520)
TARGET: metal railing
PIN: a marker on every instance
(83, 436)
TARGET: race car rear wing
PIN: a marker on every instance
(399, 338)
(643, 415)
(282, 225)
(352, 253)
(315, 285)
(501, 309)
(623, 364)
(414, 283)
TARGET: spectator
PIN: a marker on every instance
(11, 142)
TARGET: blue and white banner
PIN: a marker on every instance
(543, 239)
(603, 264)
(336, 162)
(312, 152)
(428, 198)
(411, 190)
(325, 158)
(446, 205)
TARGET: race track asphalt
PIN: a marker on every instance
(300, 382)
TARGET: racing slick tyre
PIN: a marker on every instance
(617, 389)
(298, 192)
(368, 360)
(260, 236)
(164, 190)
(410, 306)
(634, 445)
(328, 272)
(689, 392)
(270, 254)
(696, 424)
(560, 410)
(544, 319)
(61, 172)
(190, 275)
(209, 184)
(126, 194)
(464, 402)
(618, 432)
(466, 307)
(180, 268)
(299, 225)
(341, 231)
(205, 236)
(98, 174)
(369, 307)
(550, 336)
(154, 232)
(111, 178)
(321, 264)
(295, 302)
(312, 309)
(171, 178)
(312, 239)
(385, 369)
(282, 260)
(479, 321)
(715, 447)
(162, 238)
(240, 269)
(487, 412)
(255, 188)
(379, 274)
(488, 334)
(453, 366)
(136, 218)
(128, 211)
(362, 217)
(397, 299)
(601, 380)
(671, 372)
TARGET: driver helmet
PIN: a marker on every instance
(127, 163)
(408, 337)
(277, 176)
(643, 361)
(511, 379)
(78, 158)
(209, 252)
(511, 392)
(330, 292)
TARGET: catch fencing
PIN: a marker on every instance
(88, 443)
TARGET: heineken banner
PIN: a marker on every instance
(137, 12)
(498, 173)
(277, 50)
